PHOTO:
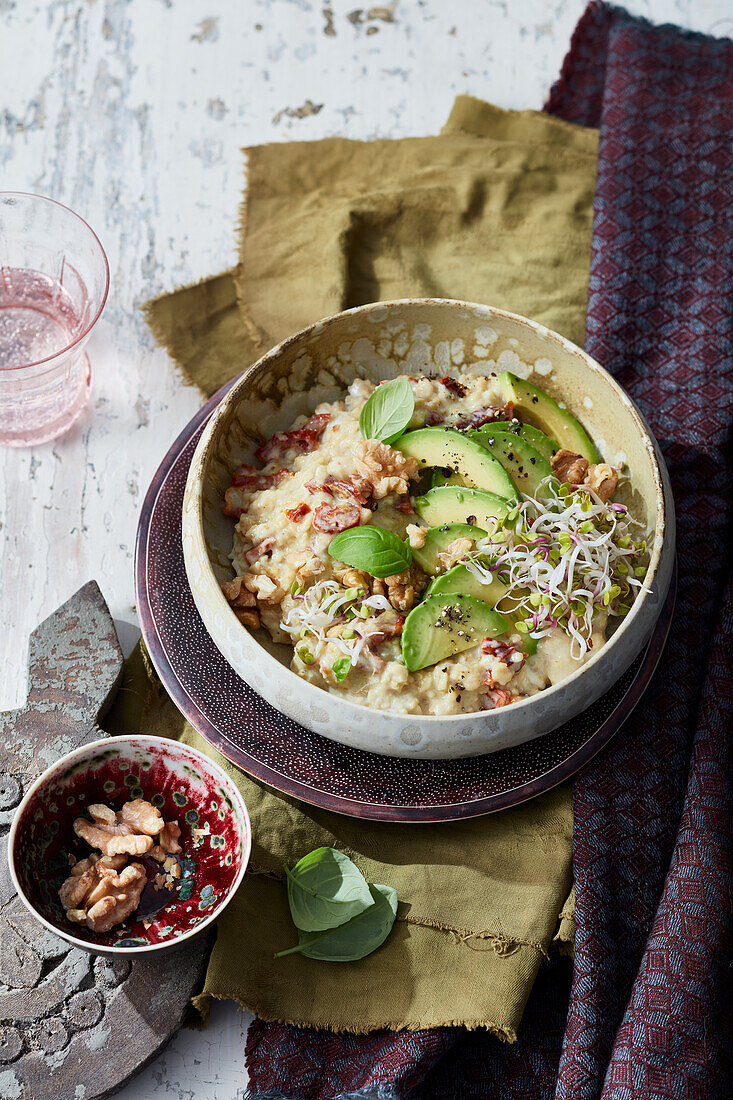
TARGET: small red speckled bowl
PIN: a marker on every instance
(186, 787)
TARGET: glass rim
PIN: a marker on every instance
(88, 328)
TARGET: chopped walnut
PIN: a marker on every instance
(103, 889)
(306, 565)
(353, 578)
(454, 551)
(242, 602)
(386, 469)
(569, 467)
(416, 536)
(142, 816)
(121, 900)
(264, 588)
(167, 842)
(602, 479)
(102, 879)
(103, 815)
(133, 845)
(401, 588)
(169, 837)
(112, 839)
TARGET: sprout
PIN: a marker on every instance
(562, 561)
(324, 605)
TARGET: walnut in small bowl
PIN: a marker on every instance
(129, 844)
(105, 887)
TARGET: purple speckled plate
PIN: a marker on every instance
(286, 756)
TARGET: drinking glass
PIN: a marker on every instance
(54, 279)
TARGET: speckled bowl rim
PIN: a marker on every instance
(60, 765)
(209, 439)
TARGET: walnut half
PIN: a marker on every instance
(102, 895)
(386, 470)
(602, 479)
(401, 588)
(242, 602)
(101, 890)
(569, 467)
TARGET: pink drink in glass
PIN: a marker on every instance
(54, 280)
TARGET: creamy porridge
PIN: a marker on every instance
(433, 546)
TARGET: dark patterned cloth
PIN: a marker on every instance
(647, 1011)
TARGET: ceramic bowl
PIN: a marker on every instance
(186, 787)
(381, 341)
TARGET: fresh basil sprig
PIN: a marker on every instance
(388, 411)
(357, 938)
(373, 549)
(322, 888)
(326, 889)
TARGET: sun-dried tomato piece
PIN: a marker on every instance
(261, 550)
(297, 512)
(301, 440)
(332, 518)
(456, 388)
(404, 504)
(358, 489)
(509, 655)
(433, 419)
(497, 697)
(503, 651)
(253, 480)
(248, 479)
(487, 415)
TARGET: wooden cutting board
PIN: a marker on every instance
(73, 1025)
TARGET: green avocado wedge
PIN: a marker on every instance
(446, 449)
(443, 625)
(438, 539)
(547, 447)
(459, 580)
(459, 504)
(542, 411)
(526, 466)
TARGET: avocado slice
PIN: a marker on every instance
(438, 539)
(459, 580)
(451, 450)
(526, 465)
(547, 447)
(443, 625)
(460, 504)
(543, 412)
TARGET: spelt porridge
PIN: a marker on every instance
(433, 545)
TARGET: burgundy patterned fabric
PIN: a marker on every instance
(653, 891)
(647, 1012)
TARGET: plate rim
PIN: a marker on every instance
(339, 803)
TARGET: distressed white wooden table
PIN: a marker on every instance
(134, 112)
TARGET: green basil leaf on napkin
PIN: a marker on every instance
(325, 889)
(373, 549)
(388, 411)
(358, 937)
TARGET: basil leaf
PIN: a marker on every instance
(325, 889)
(355, 939)
(373, 549)
(388, 411)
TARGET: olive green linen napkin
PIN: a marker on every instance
(498, 209)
